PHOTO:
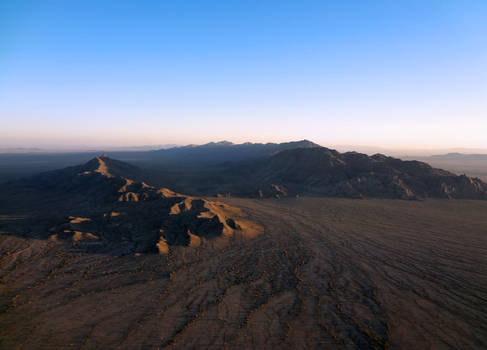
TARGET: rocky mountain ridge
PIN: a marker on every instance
(95, 204)
(322, 171)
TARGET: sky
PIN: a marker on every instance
(394, 74)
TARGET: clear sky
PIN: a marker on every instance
(384, 73)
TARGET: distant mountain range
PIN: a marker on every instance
(80, 149)
(175, 165)
(455, 155)
(223, 151)
(304, 168)
(265, 170)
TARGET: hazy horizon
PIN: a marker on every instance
(367, 149)
(403, 75)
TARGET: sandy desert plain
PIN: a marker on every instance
(324, 273)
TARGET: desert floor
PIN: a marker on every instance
(324, 273)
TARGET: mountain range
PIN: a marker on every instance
(275, 170)
(305, 168)
(223, 151)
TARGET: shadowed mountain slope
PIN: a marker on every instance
(327, 172)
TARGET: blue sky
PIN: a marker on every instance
(404, 74)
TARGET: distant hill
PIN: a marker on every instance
(455, 155)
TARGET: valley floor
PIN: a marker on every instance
(325, 273)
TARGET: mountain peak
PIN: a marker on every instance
(97, 165)
(109, 168)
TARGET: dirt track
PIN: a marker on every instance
(326, 273)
